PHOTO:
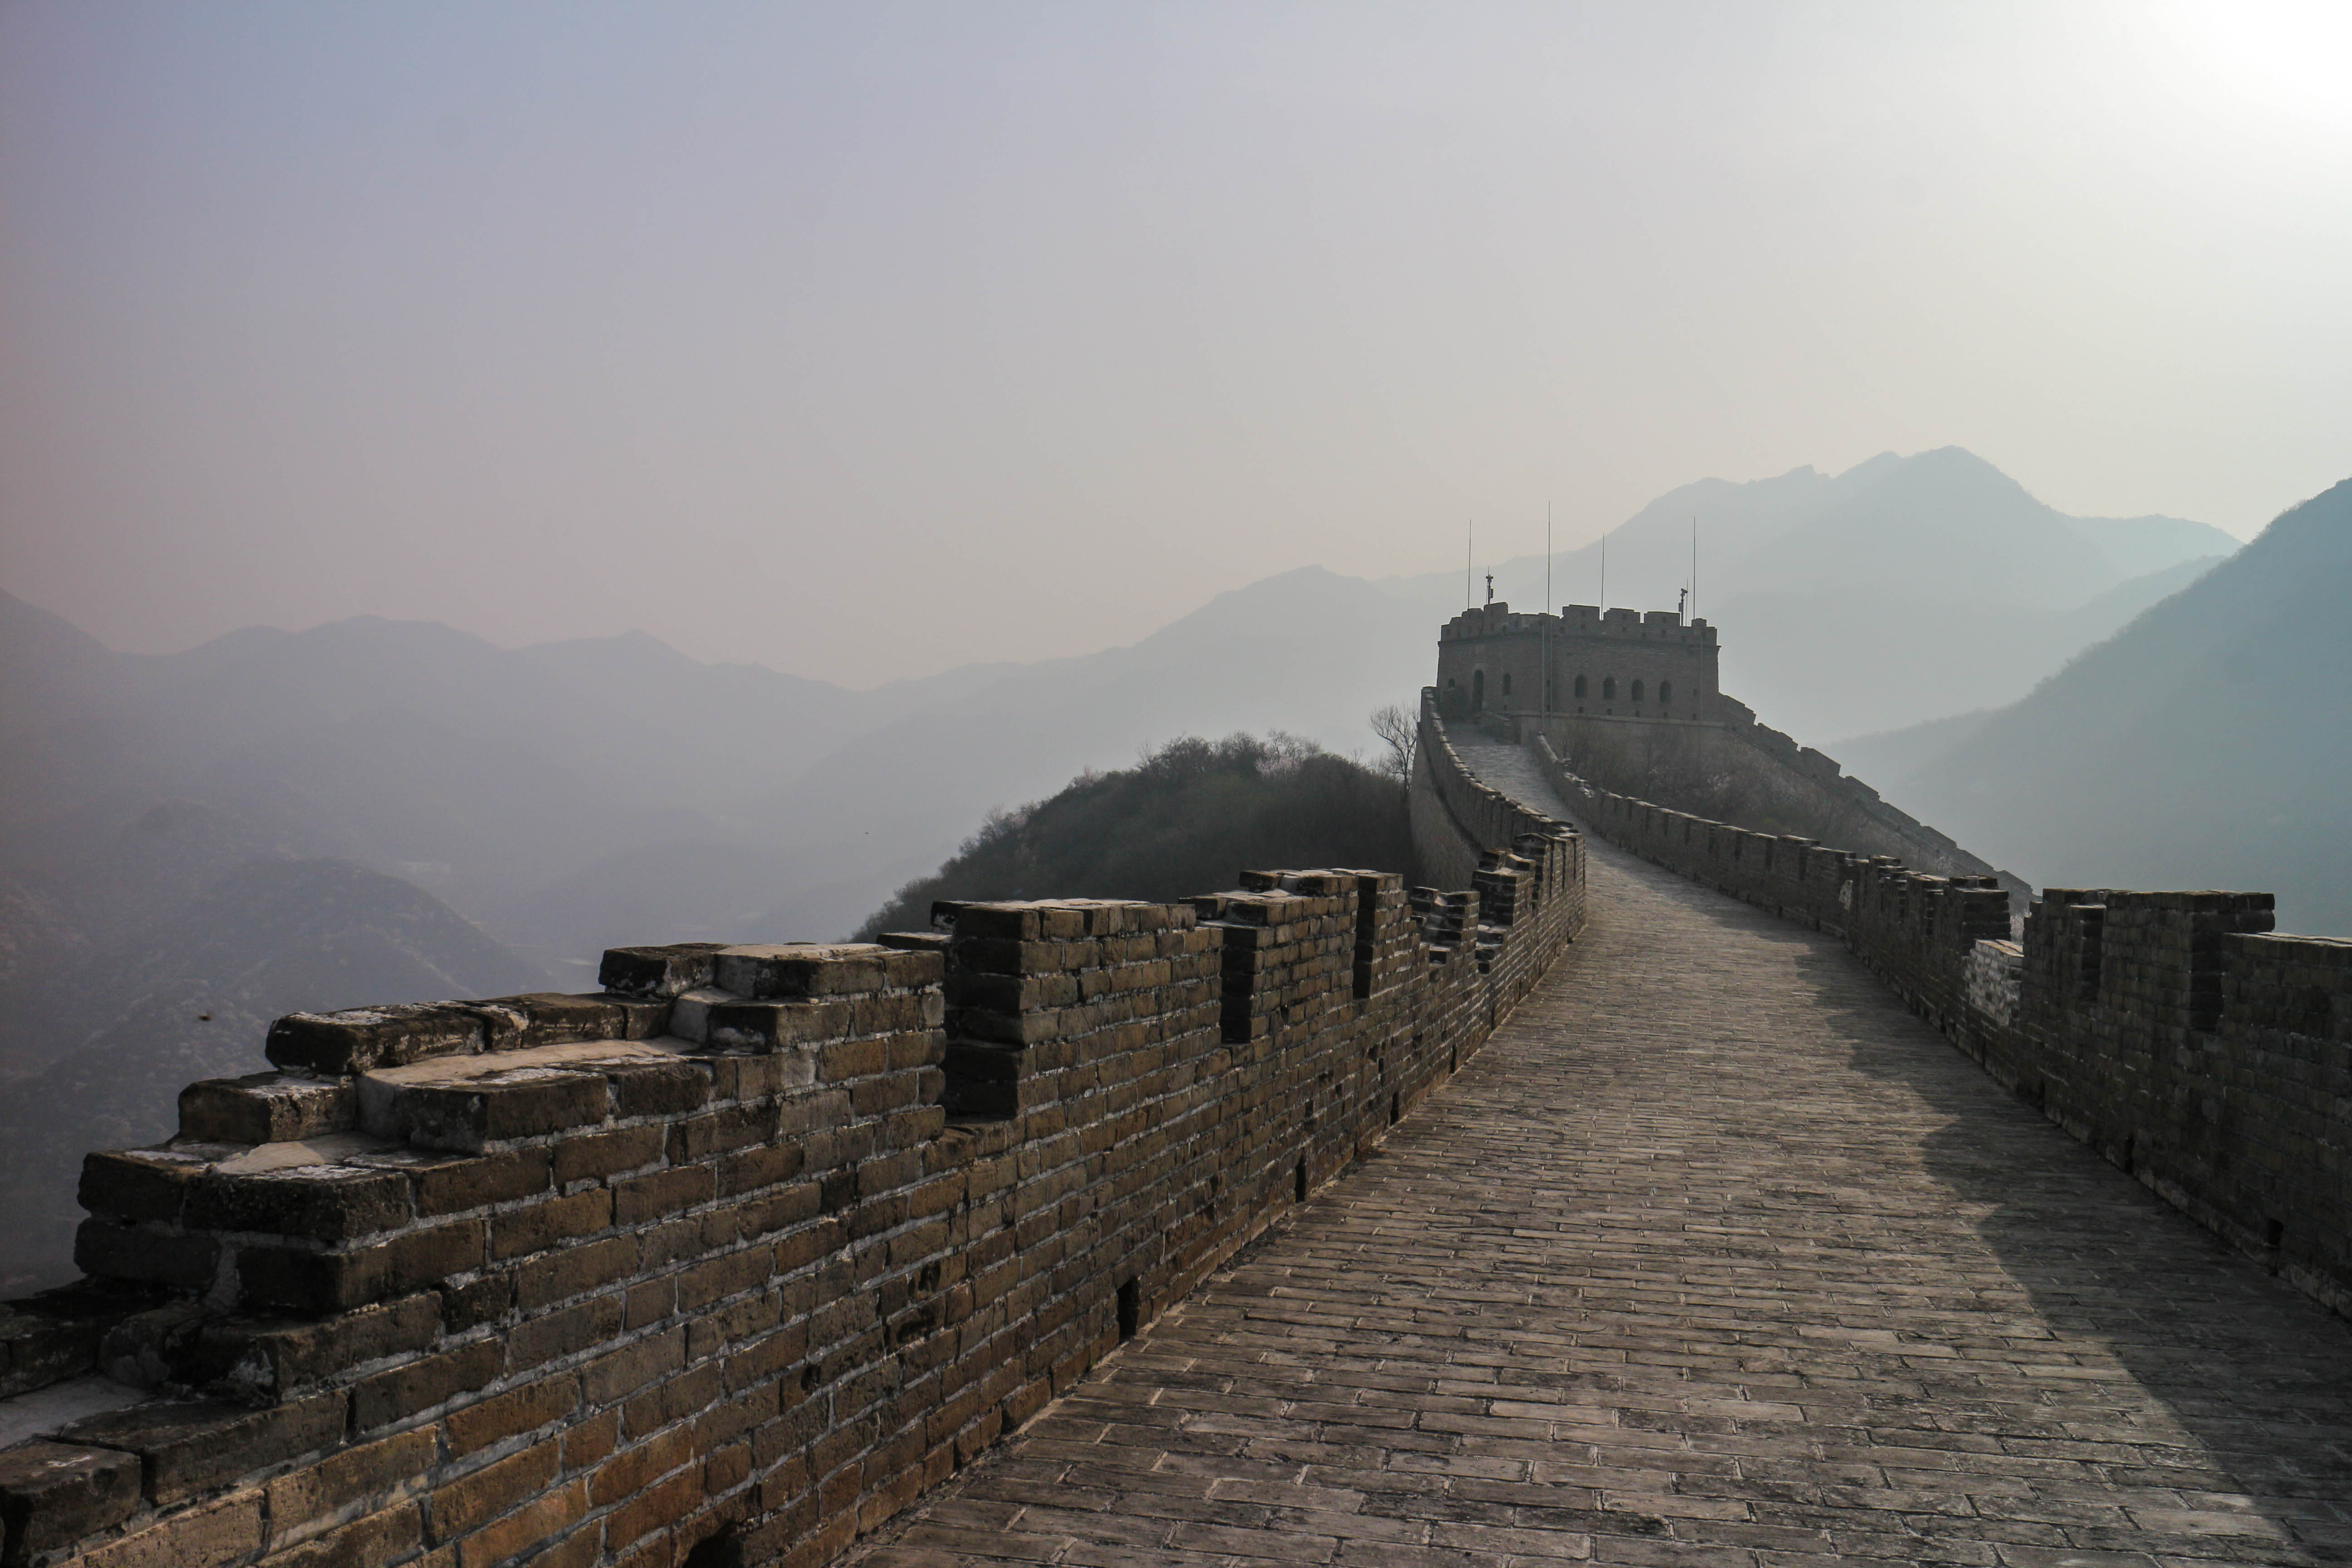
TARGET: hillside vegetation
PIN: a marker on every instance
(576, 795)
(1184, 820)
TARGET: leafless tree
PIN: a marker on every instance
(1399, 735)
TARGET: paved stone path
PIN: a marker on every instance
(1713, 1254)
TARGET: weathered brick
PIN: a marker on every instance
(797, 969)
(725, 1275)
(533, 1405)
(470, 1115)
(529, 1528)
(266, 1361)
(455, 1184)
(673, 1400)
(320, 1202)
(587, 1444)
(267, 1107)
(536, 1226)
(486, 1298)
(634, 1470)
(735, 1127)
(559, 1276)
(656, 971)
(388, 1470)
(221, 1531)
(385, 1536)
(751, 1169)
(609, 1378)
(595, 1155)
(137, 1253)
(300, 1280)
(566, 1332)
(481, 1495)
(663, 1503)
(54, 1494)
(660, 1088)
(336, 1045)
(640, 1198)
(401, 1390)
(190, 1449)
(760, 1076)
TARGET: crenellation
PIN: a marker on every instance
(2171, 1031)
(758, 1240)
(1633, 698)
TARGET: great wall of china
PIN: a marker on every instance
(739, 1258)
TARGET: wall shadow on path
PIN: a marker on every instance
(2256, 1374)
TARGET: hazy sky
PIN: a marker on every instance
(866, 340)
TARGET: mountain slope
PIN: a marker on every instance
(2205, 745)
(191, 996)
(413, 748)
(1823, 665)
(1309, 653)
(1904, 589)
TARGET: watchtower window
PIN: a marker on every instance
(1506, 683)
(1609, 688)
(1637, 692)
(1580, 686)
(1665, 692)
(1477, 689)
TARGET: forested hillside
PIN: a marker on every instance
(1184, 820)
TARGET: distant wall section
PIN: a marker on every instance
(2170, 1031)
(1633, 701)
(1740, 770)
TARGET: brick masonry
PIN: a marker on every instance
(2171, 1031)
(1600, 705)
(1715, 1255)
(733, 1259)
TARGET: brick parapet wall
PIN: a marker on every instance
(738, 1255)
(2170, 1031)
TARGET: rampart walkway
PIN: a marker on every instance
(1713, 1254)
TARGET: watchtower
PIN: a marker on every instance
(1618, 664)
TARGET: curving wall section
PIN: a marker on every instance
(728, 1261)
(2170, 1031)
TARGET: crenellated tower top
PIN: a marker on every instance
(1614, 664)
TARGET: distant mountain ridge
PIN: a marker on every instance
(2207, 745)
(490, 812)
(1904, 589)
(547, 790)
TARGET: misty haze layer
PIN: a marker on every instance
(2205, 746)
(379, 811)
(757, 327)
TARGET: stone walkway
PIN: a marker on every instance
(1714, 1255)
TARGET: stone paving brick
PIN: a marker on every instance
(1715, 1255)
